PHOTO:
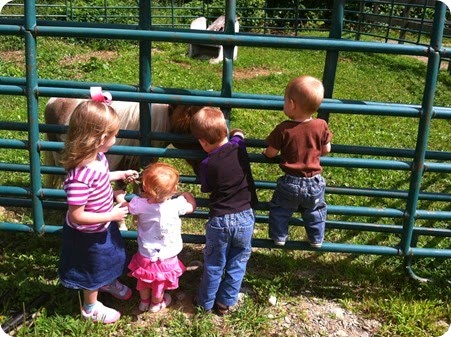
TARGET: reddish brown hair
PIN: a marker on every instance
(209, 124)
(159, 181)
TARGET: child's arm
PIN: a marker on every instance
(190, 198)
(128, 176)
(77, 214)
(119, 195)
(270, 152)
(326, 149)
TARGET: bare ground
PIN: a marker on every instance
(302, 316)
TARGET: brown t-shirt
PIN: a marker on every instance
(300, 145)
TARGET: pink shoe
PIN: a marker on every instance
(101, 314)
(118, 290)
(163, 304)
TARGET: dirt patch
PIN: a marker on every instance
(81, 58)
(302, 317)
(16, 56)
(243, 74)
(443, 64)
(314, 317)
(238, 74)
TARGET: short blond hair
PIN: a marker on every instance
(159, 181)
(307, 92)
(209, 124)
(87, 124)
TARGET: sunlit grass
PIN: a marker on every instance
(374, 286)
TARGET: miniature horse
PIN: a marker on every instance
(164, 117)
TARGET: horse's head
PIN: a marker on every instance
(180, 118)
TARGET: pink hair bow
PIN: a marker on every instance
(98, 96)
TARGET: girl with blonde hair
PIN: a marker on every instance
(93, 254)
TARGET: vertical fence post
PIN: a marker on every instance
(390, 18)
(71, 10)
(172, 13)
(330, 66)
(360, 19)
(227, 67)
(423, 15)
(105, 10)
(265, 18)
(145, 75)
(417, 168)
(297, 20)
(405, 22)
(32, 114)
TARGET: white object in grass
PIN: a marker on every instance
(3, 3)
(447, 3)
(272, 300)
(447, 333)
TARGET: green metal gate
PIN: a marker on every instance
(420, 160)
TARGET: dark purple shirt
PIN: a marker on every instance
(226, 174)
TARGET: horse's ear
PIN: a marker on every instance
(171, 108)
(192, 110)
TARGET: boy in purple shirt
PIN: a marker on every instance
(226, 174)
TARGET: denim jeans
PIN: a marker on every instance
(91, 260)
(227, 250)
(303, 194)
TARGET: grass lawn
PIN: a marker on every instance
(372, 286)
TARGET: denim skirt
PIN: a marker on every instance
(91, 260)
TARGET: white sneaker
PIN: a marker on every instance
(163, 304)
(118, 290)
(101, 314)
(447, 333)
(3, 333)
(315, 244)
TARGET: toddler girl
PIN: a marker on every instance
(93, 254)
(156, 265)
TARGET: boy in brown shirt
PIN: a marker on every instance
(301, 141)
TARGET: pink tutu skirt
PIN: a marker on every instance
(158, 275)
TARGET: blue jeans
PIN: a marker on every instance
(303, 194)
(227, 250)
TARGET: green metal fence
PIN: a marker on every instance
(403, 21)
(417, 162)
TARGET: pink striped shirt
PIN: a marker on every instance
(92, 188)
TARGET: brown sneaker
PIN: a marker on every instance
(222, 310)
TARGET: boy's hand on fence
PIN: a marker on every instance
(238, 132)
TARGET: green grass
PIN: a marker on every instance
(372, 286)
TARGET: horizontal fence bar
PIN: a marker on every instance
(330, 105)
(264, 104)
(237, 39)
(264, 243)
(332, 209)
